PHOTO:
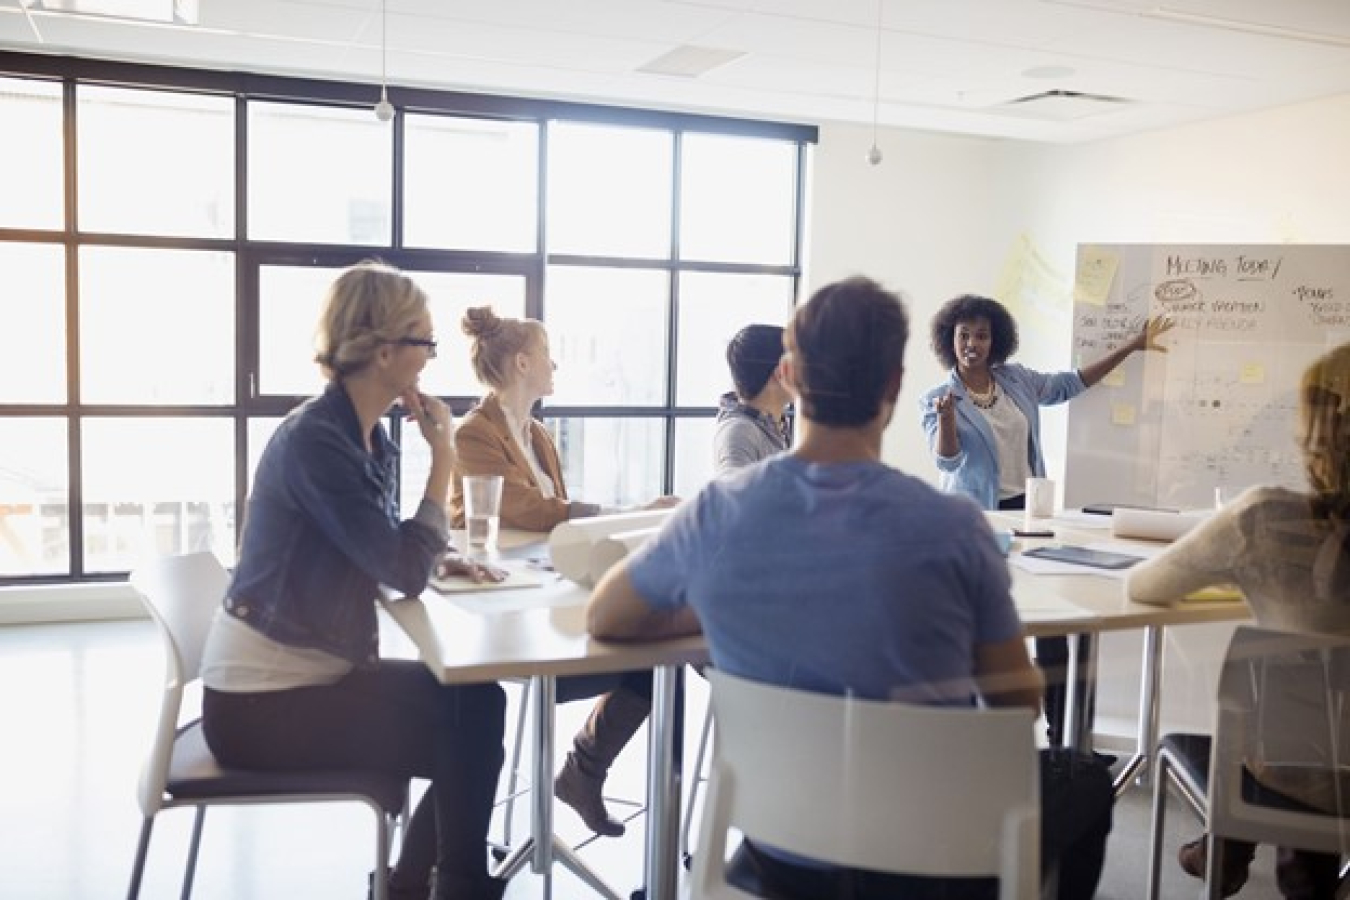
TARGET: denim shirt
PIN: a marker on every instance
(974, 470)
(322, 533)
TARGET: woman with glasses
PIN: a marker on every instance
(291, 667)
(499, 436)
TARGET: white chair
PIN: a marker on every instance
(1283, 703)
(891, 787)
(181, 594)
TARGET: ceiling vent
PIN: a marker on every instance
(176, 12)
(1061, 106)
(689, 61)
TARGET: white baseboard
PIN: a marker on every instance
(68, 603)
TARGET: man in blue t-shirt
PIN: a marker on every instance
(826, 570)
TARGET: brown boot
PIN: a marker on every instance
(616, 718)
(1237, 858)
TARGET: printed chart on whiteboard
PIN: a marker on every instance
(1219, 409)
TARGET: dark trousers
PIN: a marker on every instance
(395, 718)
(579, 687)
(1076, 805)
(1052, 657)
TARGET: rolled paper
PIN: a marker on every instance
(571, 542)
(1153, 524)
(610, 550)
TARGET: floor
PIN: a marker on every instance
(79, 700)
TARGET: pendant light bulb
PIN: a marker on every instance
(384, 110)
(874, 155)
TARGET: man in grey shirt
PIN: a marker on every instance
(751, 423)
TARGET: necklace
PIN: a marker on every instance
(983, 399)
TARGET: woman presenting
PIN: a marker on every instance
(293, 679)
(499, 436)
(984, 427)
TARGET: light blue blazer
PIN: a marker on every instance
(974, 470)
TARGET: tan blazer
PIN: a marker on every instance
(485, 446)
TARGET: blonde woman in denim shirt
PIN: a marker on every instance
(292, 673)
(984, 427)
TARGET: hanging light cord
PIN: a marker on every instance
(876, 81)
(384, 48)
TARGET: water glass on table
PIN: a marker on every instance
(482, 513)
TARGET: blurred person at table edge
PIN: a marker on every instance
(1289, 553)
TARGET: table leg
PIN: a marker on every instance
(542, 848)
(1081, 693)
(663, 789)
(541, 822)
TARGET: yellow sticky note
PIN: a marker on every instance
(1096, 272)
(1253, 373)
(1122, 414)
(1216, 593)
(1115, 378)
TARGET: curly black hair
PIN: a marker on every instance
(967, 307)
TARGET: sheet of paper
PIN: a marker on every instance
(520, 576)
(1096, 272)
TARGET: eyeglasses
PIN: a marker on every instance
(428, 343)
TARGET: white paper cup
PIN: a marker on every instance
(1040, 498)
(482, 512)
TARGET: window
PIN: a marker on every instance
(607, 333)
(164, 324)
(34, 492)
(33, 366)
(154, 487)
(32, 187)
(734, 207)
(609, 191)
(472, 184)
(155, 162)
(319, 175)
(717, 306)
(157, 326)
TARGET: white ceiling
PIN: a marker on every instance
(946, 65)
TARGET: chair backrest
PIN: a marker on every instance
(867, 784)
(1283, 712)
(181, 594)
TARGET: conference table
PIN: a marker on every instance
(1082, 603)
(539, 633)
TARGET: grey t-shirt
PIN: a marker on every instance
(744, 436)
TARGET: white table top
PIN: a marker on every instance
(1045, 602)
(494, 635)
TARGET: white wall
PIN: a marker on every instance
(943, 215)
(919, 223)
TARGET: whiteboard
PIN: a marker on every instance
(1220, 408)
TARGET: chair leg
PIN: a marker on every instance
(698, 778)
(1213, 865)
(190, 872)
(1161, 776)
(379, 883)
(142, 850)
